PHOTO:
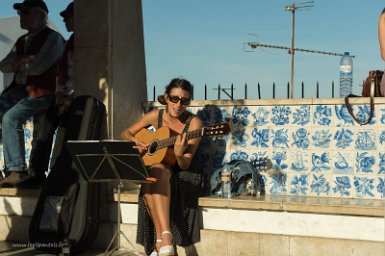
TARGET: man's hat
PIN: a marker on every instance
(69, 11)
(31, 4)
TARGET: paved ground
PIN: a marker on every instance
(6, 249)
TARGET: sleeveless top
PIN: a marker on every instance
(185, 129)
(160, 120)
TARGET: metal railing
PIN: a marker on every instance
(227, 93)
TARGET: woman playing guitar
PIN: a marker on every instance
(159, 205)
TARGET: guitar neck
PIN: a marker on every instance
(171, 141)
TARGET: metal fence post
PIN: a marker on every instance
(259, 96)
(317, 92)
(192, 92)
(288, 90)
(245, 91)
(303, 90)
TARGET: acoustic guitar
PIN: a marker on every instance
(160, 142)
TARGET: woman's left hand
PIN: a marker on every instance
(180, 144)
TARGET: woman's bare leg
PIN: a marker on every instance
(157, 197)
(148, 199)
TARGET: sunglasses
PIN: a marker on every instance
(176, 99)
(24, 11)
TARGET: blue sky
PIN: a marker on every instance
(54, 7)
(203, 41)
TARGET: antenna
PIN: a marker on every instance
(246, 45)
(254, 45)
(292, 8)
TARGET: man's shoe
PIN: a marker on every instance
(30, 182)
(13, 178)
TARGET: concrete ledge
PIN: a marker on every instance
(324, 205)
(240, 203)
(339, 206)
(236, 243)
(327, 205)
(19, 192)
(241, 226)
(294, 224)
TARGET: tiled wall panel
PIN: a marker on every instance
(316, 150)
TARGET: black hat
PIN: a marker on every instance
(31, 4)
(69, 11)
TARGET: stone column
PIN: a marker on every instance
(109, 58)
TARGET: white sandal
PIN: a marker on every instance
(155, 252)
(167, 250)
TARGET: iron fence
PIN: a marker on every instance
(227, 93)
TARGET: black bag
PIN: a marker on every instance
(67, 211)
(366, 88)
(245, 177)
(370, 89)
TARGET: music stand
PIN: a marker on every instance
(107, 161)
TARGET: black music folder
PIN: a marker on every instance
(108, 160)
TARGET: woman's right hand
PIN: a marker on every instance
(141, 146)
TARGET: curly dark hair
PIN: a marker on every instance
(175, 83)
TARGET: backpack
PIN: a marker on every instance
(245, 179)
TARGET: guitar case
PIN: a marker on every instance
(67, 211)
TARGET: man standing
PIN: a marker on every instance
(33, 61)
(57, 113)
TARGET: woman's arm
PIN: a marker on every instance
(185, 150)
(146, 121)
(381, 34)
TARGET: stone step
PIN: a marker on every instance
(268, 225)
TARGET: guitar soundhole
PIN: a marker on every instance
(153, 147)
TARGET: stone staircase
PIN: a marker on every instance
(267, 225)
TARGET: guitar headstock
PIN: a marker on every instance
(216, 130)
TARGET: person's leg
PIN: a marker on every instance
(157, 198)
(13, 134)
(150, 204)
(149, 201)
(9, 98)
(42, 142)
(44, 129)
